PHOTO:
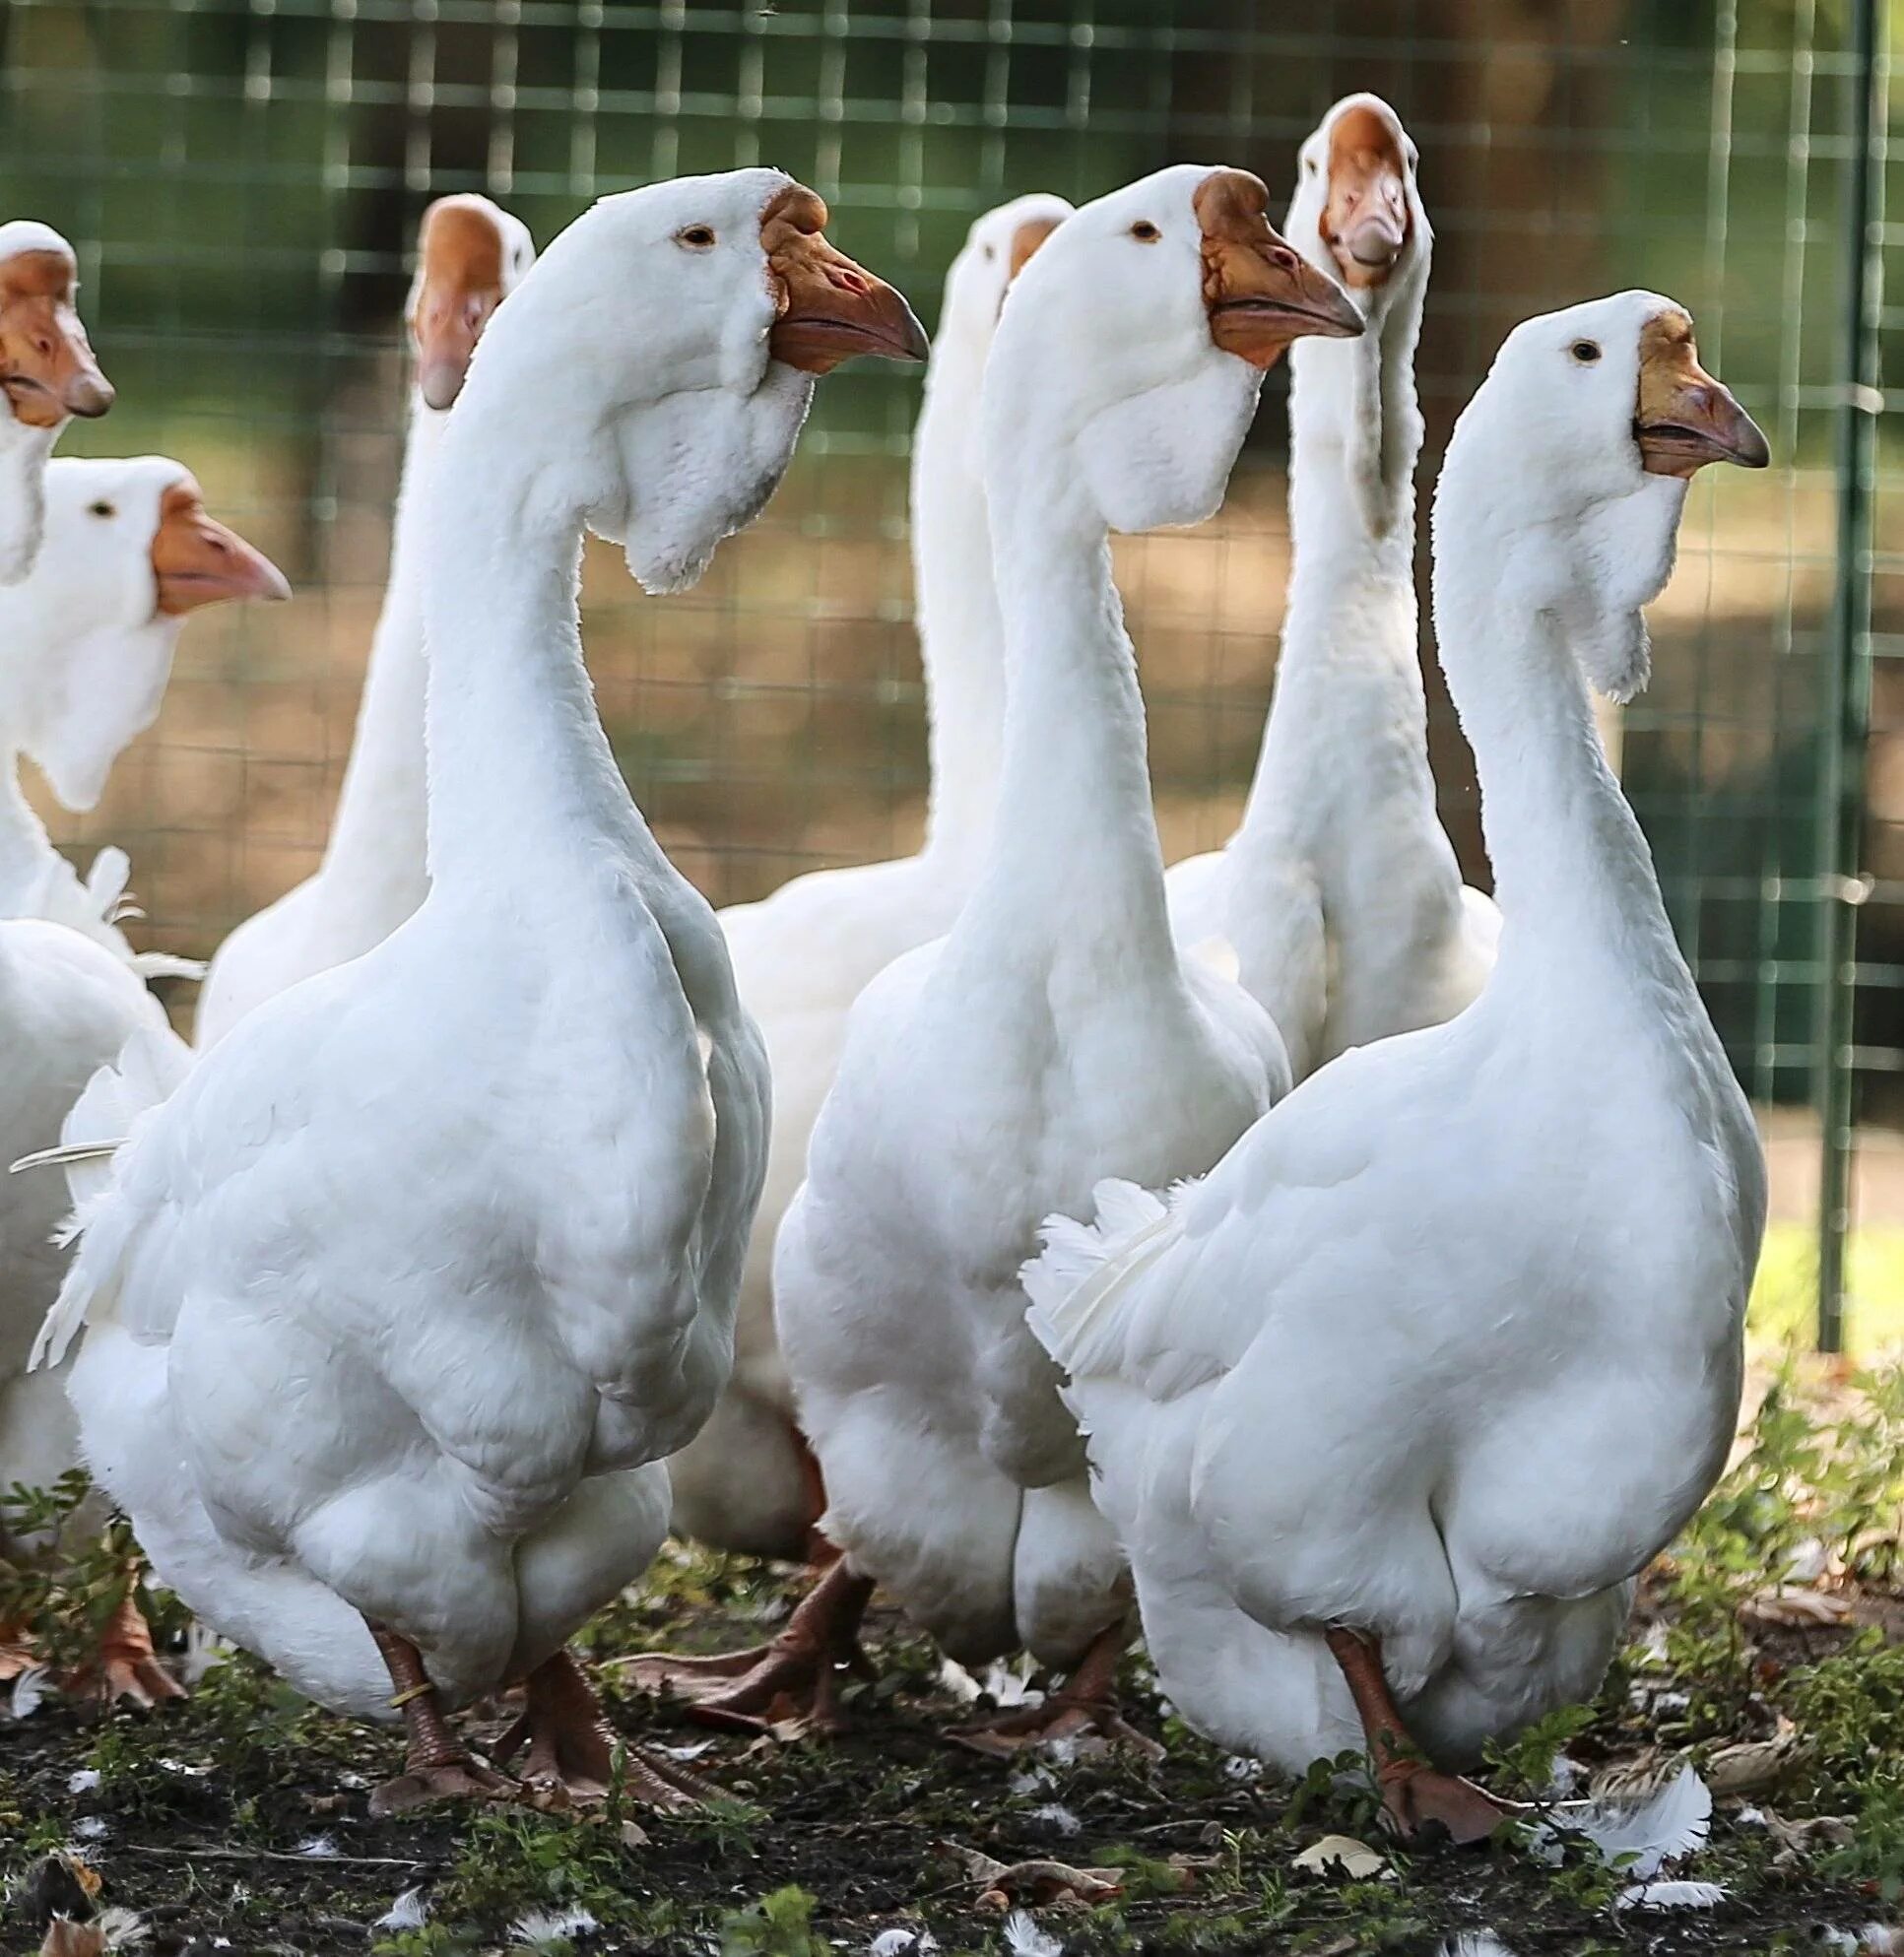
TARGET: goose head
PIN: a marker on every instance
(997, 248)
(130, 551)
(471, 254)
(1136, 342)
(1580, 445)
(1356, 211)
(652, 372)
(47, 374)
(48, 371)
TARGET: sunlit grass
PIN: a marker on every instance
(1785, 1299)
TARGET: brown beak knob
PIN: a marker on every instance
(196, 560)
(830, 309)
(1259, 291)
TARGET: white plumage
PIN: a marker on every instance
(1054, 1034)
(395, 1304)
(1450, 1344)
(1340, 896)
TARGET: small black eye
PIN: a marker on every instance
(1145, 231)
(102, 508)
(697, 237)
(991, 252)
(1309, 165)
(1586, 352)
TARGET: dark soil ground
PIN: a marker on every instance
(237, 1820)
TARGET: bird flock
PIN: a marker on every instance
(1330, 1275)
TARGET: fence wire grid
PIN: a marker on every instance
(242, 180)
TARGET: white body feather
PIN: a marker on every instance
(1450, 1345)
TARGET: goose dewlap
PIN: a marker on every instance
(197, 560)
(1260, 292)
(459, 284)
(829, 309)
(1365, 221)
(47, 369)
(1684, 418)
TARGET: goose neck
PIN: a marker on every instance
(27, 852)
(1347, 721)
(378, 833)
(961, 632)
(1074, 855)
(23, 453)
(520, 773)
(1572, 871)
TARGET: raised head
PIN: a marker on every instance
(1138, 338)
(652, 372)
(1357, 208)
(999, 246)
(47, 370)
(129, 552)
(471, 254)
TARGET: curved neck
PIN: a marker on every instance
(519, 768)
(1572, 872)
(27, 852)
(1347, 721)
(22, 494)
(960, 633)
(1075, 861)
(379, 831)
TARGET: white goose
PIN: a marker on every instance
(88, 634)
(48, 375)
(395, 1306)
(470, 255)
(1055, 1031)
(803, 954)
(1340, 896)
(129, 553)
(1391, 1407)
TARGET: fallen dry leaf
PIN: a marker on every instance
(1753, 1765)
(1003, 1885)
(1796, 1605)
(1341, 1855)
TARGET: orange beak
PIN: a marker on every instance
(1365, 221)
(461, 254)
(196, 560)
(1260, 292)
(829, 308)
(47, 370)
(1684, 418)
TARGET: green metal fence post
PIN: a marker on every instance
(1845, 719)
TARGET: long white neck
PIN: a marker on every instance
(960, 635)
(1348, 724)
(27, 852)
(379, 833)
(22, 494)
(1572, 872)
(520, 773)
(1074, 867)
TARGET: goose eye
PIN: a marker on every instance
(697, 237)
(991, 252)
(100, 509)
(1309, 165)
(1586, 352)
(1145, 231)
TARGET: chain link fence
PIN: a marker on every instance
(242, 180)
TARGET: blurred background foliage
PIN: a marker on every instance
(243, 179)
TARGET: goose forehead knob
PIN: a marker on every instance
(1027, 237)
(1684, 418)
(828, 308)
(1259, 292)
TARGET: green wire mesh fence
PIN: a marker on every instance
(242, 178)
